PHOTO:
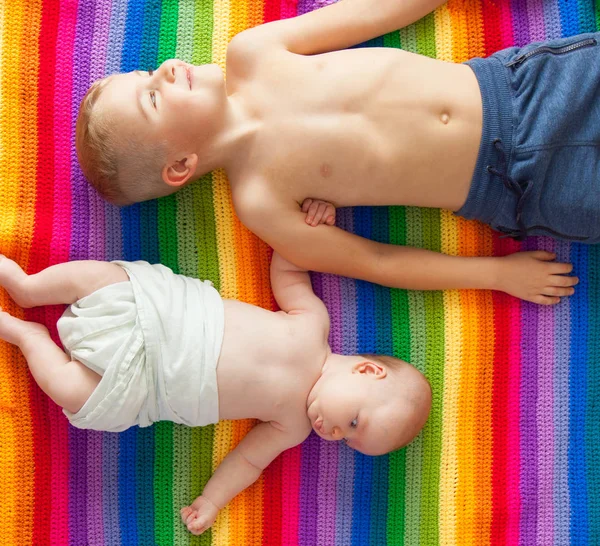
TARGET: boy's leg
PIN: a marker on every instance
(61, 283)
(68, 382)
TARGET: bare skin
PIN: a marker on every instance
(298, 119)
(276, 367)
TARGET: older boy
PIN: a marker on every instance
(298, 119)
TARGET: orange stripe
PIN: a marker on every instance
(18, 121)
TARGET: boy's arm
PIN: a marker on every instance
(238, 470)
(341, 25)
(530, 276)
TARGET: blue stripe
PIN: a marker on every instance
(144, 476)
(592, 414)
(127, 486)
(130, 60)
(577, 399)
(363, 469)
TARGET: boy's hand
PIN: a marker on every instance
(199, 516)
(536, 277)
(318, 212)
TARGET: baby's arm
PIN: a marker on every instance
(340, 25)
(318, 212)
(531, 276)
(239, 469)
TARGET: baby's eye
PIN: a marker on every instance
(354, 423)
(153, 99)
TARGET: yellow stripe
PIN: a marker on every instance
(453, 349)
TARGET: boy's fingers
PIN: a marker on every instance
(558, 291)
(561, 268)
(561, 280)
(544, 255)
(331, 220)
(306, 204)
(545, 300)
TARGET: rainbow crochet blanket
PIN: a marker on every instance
(510, 454)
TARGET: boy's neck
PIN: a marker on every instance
(229, 145)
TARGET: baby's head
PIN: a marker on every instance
(375, 403)
(143, 135)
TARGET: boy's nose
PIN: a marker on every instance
(167, 70)
(336, 433)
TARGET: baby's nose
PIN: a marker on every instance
(336, 433)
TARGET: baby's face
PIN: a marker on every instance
(355, 408)
(174, 103)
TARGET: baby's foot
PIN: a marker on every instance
(17, 331)
(12, 278)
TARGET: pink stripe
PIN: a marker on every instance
(545, 419)
(506, 29)
(513, 463)
(59, 252)
(290, 496)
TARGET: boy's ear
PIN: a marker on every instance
(373, 369)
(178, 172)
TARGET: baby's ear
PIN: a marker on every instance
(370, 368)
(179, 171)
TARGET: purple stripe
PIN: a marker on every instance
(110, 487)
(537, 27)
(79, 187)
(77, 487)
(95, 527)
(114, 240)
(328, 469)
(545, 407)
(520, 22)
(97, 68)
(562, 329)
(528, 424)
(346, 456)
(309, 465)
(552, 20)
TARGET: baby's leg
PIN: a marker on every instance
(62, 283)
(68, 382)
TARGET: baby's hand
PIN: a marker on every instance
(199, 516)
(318, 212)
(536, 277)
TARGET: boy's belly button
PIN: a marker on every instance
(445, 118)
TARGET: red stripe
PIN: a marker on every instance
(39, 259)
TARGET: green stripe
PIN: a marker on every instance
(163, 483)
(416, 305)
(167, 207)
(401, 345)
(434, 369)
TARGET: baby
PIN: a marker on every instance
(511, 140)
(144, 345)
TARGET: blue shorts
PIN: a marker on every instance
(538, 169)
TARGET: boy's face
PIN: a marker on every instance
(177, 103)
(353, 405)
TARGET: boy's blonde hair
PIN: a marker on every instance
(123, 170)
